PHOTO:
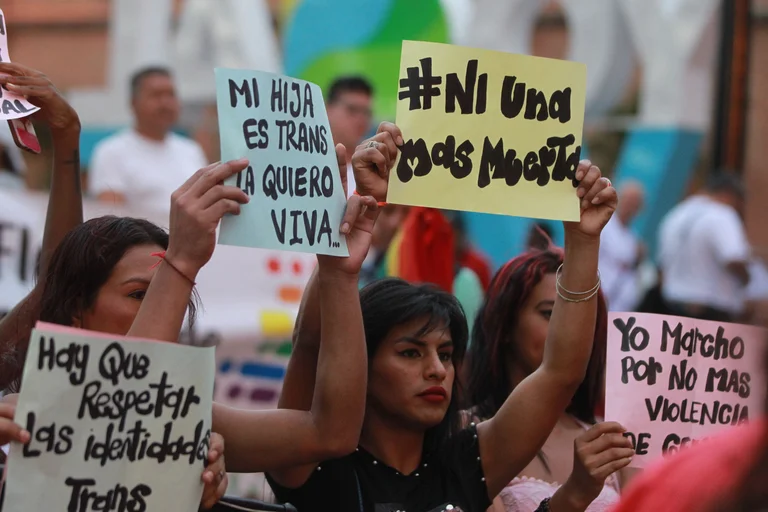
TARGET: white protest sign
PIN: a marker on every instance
(117, 424)
(13, 106)
(673, 381)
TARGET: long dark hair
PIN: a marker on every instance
(390, 302)
(488, 384)
(84, 260)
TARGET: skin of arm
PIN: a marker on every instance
(65, 210)
(262, 440)
(507, 444)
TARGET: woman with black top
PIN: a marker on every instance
(412, 456)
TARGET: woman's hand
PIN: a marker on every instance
(362, 210)
(196, 209)
(40, 91)
(598, 452)
(598, 201)
(10, 431)
(215, 474)
(374, 158)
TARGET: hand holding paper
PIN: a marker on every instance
(598, 201)
(41, 92)
(10, 431)
(196, 209)
(374, 159)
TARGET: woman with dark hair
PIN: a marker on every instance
(413, 454)
(507, 346)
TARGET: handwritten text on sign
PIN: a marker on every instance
(671, 381)
(116, 425)
(12, 105)
(489, 132)
(281, 126)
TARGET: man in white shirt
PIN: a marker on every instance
(143, 165)
(348, 103)
(621, 252)
(704, 253)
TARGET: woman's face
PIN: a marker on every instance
(530, 333)
(411, 377)
(118, 300)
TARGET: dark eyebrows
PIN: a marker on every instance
(136, 280)
(419, 343)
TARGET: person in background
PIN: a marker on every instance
(577, 466)
(349, 105)
(467, 255)
(539, 237)
(704, 253)
(621, 251)
(143, 165)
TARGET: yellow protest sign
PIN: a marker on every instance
(487, 131)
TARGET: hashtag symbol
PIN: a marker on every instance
(420, 86)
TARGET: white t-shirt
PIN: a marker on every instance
(697, 239)
(145, 171)
(618, 271)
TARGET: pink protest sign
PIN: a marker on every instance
(672, 381)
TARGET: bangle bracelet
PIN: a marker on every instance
(380, 203)
(589, 292)
(163, 257)
(583, 299)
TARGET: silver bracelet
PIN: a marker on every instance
(591, 292)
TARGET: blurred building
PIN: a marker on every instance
(69, 40)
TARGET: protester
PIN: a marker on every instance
(64, 204)
(142, 165)
(704, 253)
(349, 105)
(412, 455)
(622, 252)
(507, 346)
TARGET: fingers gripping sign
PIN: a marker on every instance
(598, 200)
(373, 160)
(197, 207)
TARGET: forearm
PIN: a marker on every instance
(338, 403)
(164, 307)
(572, 327)
(299, 382)
(65, 203)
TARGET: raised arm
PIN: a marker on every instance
(507, 443)
(371, 166)
(196, 209)
(289, 439)
(65, 208)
